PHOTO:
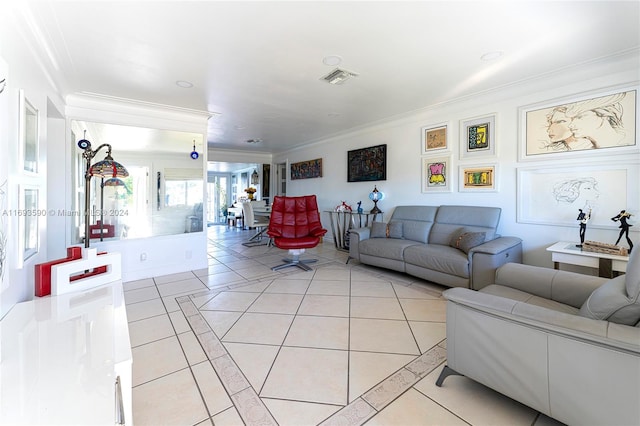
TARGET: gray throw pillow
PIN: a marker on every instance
(395, 229)
(465, 241)
(378, 230)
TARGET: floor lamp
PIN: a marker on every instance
(107, 168)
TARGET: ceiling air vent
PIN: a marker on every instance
(338, 76)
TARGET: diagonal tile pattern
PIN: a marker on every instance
(344, 344)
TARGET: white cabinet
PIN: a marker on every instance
(62, 357)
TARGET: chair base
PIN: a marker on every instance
(295, 261)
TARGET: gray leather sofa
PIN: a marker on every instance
(456, 246)
(565, 344)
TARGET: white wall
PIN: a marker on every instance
(24, 72)
(402, 136)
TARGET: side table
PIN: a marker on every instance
(342, 222)
(608, 265)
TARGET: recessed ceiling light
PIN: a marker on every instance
(184, 84)
(331, 60)
(491, 56)
(238, 127)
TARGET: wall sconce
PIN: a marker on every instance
(376, 196)
(107, 168)
(255, 179)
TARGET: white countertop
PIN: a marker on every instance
(60, 357)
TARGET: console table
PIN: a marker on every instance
(67, 360)
(342, 222)
(608, 265)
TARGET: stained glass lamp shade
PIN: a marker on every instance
(108, 168)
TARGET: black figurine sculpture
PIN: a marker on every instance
(624, 227)
(583, 218)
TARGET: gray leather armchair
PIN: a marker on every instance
(565, 344)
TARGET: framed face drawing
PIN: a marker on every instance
(589, 125)
(555, 195)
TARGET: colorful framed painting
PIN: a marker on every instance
(587, 125)
(436, 174)
(555, 195)
(306, 169)
(478, 137)
(434, 138)
(367, 164)
(478, 178)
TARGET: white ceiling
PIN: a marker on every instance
(257, 65)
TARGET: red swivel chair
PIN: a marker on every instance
(295, 226)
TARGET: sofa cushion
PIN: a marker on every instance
(475, 219)
(395, 229)
(392, 229)
(416, 221)
(617, 299)
(378, 230)
(439, 258)
(416, 231)
(464, 240)
(391, 248)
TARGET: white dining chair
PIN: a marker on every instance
(258, 222)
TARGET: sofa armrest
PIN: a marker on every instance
(497, 245)
(487, 257)
(565, 287)
(355, 236)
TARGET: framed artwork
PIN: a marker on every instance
(436, 174)
(266, 180)
(434, 138)
(581, 126)
(28, 222)
(367, 164)
(478, 178)
(28, 135)
(478, 137)
(306, 169)
(554, 196)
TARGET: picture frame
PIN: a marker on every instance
(306, 169)
(28, 134)
(436, 174)
(266, 180)
(480, 178)
(590, 124)
(554, 195)
(478, 137)
(28, 222)
(367, 164)
(434, 138)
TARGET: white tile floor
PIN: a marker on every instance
(344, 344)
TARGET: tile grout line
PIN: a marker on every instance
(244, 398)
